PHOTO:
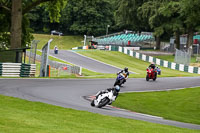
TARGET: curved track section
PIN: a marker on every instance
(83, 61)
(69, 93)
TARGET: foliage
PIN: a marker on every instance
(4, 26)
(126, 15)
(92, 17)
(54, 7)
(150, 10)
(189, 10)
(87, 17)
(78, 17)
(27, 37)
(39, 20)
(172, 16)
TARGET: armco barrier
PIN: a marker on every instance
(17, 70)
(84, 47)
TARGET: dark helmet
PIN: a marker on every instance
(126, 69)
(117, 88)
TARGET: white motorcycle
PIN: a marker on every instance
(105, 97)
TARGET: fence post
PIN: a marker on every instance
(80, 72)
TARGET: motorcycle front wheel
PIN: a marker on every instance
(155, 78)
(147, 78)
(103, 102)
(116, 83)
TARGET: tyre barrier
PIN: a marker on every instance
(17, 70)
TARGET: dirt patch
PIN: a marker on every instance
(195, 64)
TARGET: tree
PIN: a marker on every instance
(190, 12)
(16, 11)
(87, 17)
(173, 22)
(150, 11)
(175, 16)
(4, 25)
(39, 20)
(126, 15)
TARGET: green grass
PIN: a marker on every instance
(21, 116)
(122, 60)
(180, 105)
(62, 42)
(170, 58)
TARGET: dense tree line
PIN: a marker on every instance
(78, 17)
(173, 17)
(18, 18)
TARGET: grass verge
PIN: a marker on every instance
(122, 60)
(21, 116)
(170, 58)
(62, 42)
(180, 105)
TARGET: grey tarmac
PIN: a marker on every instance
(85, 62)
(70, 93)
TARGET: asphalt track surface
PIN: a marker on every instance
(70, 93)
(85, 62)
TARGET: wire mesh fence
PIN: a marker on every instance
(58, 69)
(32, 53)
(182, 56)
(64, 68)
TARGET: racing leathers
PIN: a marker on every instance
(125, 73)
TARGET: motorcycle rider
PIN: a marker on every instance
(125, 72)
(153, 66)
(115, 90)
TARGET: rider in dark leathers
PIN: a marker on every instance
(153, 66)
(124, 72)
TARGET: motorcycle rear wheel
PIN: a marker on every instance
(92, 103)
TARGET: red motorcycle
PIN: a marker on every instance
(151, 74)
